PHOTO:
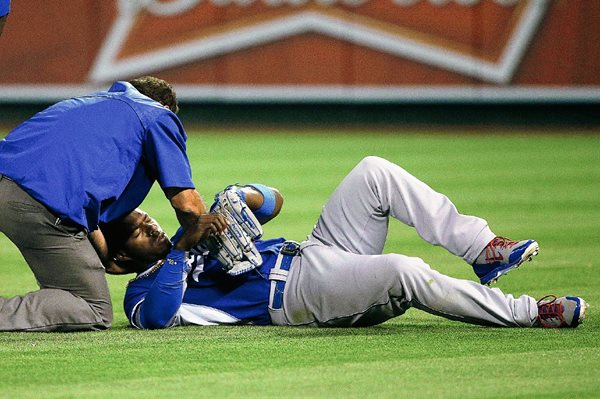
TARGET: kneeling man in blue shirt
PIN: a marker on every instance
(76, 164)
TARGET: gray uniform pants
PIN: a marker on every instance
(73, 293)
(341, 278)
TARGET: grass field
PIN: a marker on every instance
(527, 185)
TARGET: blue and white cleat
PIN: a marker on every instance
(566, 311)
(502, 255)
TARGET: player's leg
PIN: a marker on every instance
(356, 216)
(74, 292)
(330, 287)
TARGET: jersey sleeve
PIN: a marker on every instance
(154, 303)
(4, 7)
(165, 152)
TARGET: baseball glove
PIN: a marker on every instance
(235, 248)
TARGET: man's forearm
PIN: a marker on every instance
(99, 243)
(193, 216)
(188, 205)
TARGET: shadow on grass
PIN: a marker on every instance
(413, 329)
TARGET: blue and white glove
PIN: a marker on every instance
(235, 248)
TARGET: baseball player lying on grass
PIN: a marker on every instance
(338, 277)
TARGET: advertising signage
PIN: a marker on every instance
(303, 50)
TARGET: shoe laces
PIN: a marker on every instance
(502, 242)
(548, 308)
(498, 243)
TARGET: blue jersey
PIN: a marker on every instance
(198, 291)
(4, 7)
(95, 158)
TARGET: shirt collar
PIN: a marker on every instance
(120, 86)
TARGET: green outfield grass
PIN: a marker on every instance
(527, 185)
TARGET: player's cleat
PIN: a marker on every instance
(502, 255)
(566, 311)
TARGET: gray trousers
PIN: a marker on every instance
(73, 293)
(342, 279)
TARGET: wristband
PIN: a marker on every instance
(268, 206)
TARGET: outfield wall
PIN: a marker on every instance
(275, 52)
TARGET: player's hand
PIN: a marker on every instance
(234, 248)
(213, 224)
(208, 224)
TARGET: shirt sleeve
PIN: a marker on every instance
(4, 7)
(157, 306)
(165, 152)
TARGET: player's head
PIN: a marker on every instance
(134, 242)
(158, 90)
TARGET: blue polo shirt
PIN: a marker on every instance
(94, 158)
(4, 7)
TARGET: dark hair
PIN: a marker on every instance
(158, 90)
(116, 234)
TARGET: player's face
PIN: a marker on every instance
(147, 241)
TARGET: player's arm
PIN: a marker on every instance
(166, 158)
(265, 202)
(156, 306)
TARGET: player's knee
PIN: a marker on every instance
(371, 162)
(377, 169)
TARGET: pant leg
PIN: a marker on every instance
(328, 287)
(74, 292)
(355, 218)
